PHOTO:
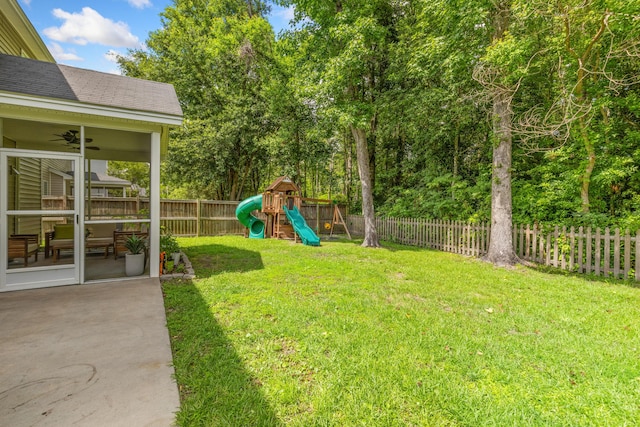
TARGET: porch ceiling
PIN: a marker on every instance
(112, 144)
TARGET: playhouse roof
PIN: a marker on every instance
(284, 183)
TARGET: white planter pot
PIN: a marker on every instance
(134, 264)
(176, 257)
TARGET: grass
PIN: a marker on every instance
(272, 333)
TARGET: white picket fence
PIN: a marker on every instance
(607, 253)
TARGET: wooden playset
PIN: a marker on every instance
(282, 192)
(280, 203)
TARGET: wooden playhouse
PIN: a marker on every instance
(282, 192)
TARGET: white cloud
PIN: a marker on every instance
(112, 56)
(27, 2)
(139, 4)
(60, 55)
(285, 13)
(91, 27)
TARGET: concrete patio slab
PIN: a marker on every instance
(89, 355)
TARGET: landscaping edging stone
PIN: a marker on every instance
(187, 275)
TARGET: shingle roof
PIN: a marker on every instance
(283, 183)
(49, 80)
(103, 178)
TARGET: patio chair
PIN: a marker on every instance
(23, 246)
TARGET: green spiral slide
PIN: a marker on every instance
(243, 213)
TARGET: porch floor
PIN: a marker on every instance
(97, 267)
(94, 355)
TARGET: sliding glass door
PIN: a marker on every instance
(41, 240)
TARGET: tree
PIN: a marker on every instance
(137, 173)
(218, 55)
(596, 37)
(350, 43)
(494, 76)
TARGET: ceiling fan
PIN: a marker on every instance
(71, 137)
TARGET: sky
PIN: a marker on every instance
(89, 33)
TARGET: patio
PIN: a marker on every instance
(95, 355)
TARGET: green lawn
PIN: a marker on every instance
(274, 333)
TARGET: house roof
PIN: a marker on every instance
(44, 79)
(104, 179)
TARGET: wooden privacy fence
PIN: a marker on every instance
(200, 217)
(186, 217)
(216, 217)
(604, 253)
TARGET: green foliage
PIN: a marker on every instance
(168, 243)
(219, 150)
(135, 172)
(418, 77)
(135, 244)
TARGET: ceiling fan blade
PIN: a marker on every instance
(87, 148)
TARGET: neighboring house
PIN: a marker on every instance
(57, 180)
(17, 35)
(53, 120)
(103, 185)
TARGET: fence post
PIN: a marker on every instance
(563, 259)
(540, 246)
(588, 264)
(598, 248)
(555, 247)
(534, 242)
(580, 249)
(198, 217)
(607, 251)
(548, 246)
(627, 253)
(616, 254)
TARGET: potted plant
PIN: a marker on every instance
(169, 245)
(136, 257)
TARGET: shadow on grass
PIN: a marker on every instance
(211, 259)
(215, 387)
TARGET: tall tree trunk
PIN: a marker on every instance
(370, 233)
(501, 250)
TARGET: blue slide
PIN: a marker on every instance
(243, 213)
(300, 226)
